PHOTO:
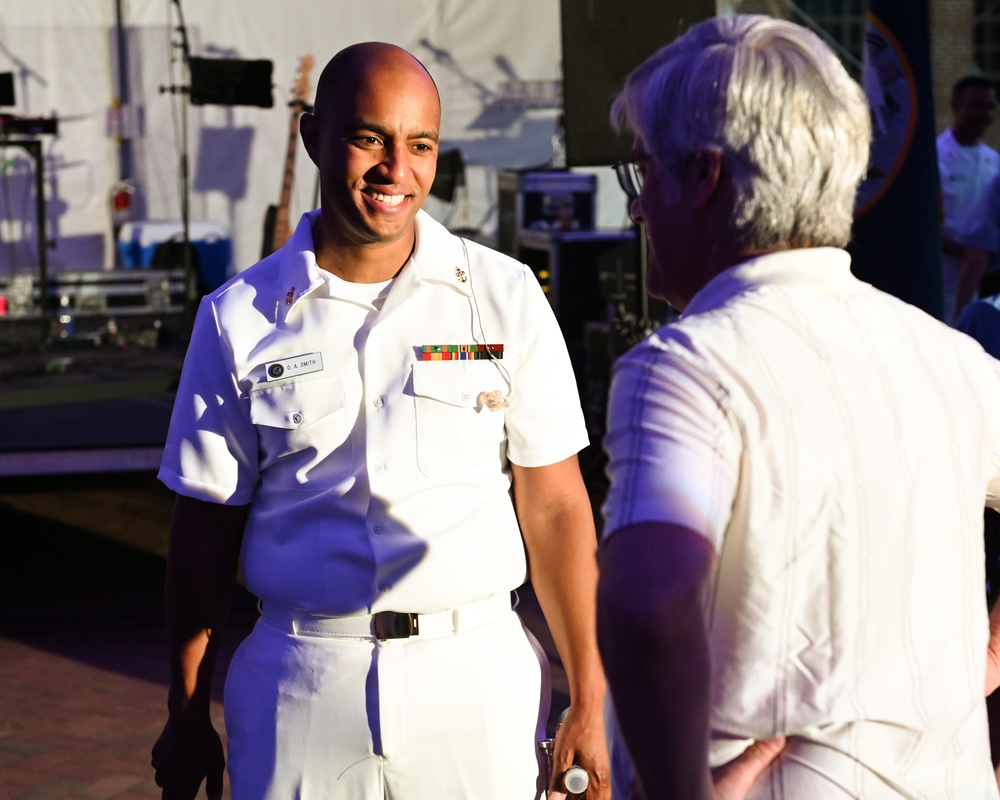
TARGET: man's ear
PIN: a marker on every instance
(308, 132)
(704, 175)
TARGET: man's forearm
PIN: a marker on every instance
(201, 576)
(974, 265)
(557, 524)
(950, 247)
(564, 578)
(654, 646)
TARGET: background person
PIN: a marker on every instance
(966, 165)
(980, 240)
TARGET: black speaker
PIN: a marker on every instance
(602, 42)
(231, 82)
(450, 174)
(7, 89)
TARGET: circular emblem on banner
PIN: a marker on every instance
(276, 370)
(892, 95)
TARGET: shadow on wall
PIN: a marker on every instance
(19, 233)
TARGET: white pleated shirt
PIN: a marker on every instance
(836, 447)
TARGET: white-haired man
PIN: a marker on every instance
(793, 560)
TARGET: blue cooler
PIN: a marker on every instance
(138, 243)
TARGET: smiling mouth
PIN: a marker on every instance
(388, 199)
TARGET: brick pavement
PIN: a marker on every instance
(83, 668)
(72, 730)
(82, 654)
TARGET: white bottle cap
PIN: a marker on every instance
(576, 780)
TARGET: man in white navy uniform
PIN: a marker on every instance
(383, 417)
(792, 569)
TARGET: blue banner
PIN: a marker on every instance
(896, 243)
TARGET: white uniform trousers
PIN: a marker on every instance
(454, 714)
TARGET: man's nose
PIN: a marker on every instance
(397, 163)
(634, 211)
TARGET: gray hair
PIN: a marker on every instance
(793, 127)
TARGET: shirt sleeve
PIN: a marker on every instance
(211, 448)
(673, 446)
(993, 487)
(544, 422)
(981, 320)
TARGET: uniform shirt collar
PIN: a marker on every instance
(825, 269)
(953, 146)
(438, 257)
(299, 273)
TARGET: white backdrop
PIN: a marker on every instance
(64, 57)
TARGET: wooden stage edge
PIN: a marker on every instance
(74, 462)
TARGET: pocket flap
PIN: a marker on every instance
(297, 403)
(456, 383)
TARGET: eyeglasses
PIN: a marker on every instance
(630, 174)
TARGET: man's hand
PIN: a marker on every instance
(185, 755)
(580, 740)
(993, 652)
(992, 670)
(734, 780)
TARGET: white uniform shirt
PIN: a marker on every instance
(965, 174)
(982, 230)
(835, 446)
(377, 480)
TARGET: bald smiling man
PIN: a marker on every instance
(380, 424)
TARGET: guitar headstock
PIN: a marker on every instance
(301, 89)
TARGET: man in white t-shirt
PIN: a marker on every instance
(966, 166)
(793, 559)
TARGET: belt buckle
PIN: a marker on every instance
(395, 625)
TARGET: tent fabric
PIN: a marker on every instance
(64, 57)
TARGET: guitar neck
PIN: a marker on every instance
(281, 226)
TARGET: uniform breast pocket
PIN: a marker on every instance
(455, 432)
(304, 432)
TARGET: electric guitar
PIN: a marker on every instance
(276, 230)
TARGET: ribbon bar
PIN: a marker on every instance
(460, 352)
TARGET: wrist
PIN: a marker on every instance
(188, 711)
(588, 698)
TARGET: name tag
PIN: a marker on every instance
(296, 365)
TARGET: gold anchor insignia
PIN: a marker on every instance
(460, 274)
(290, 296)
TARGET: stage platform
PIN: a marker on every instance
(94, 395)
(94, 293)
